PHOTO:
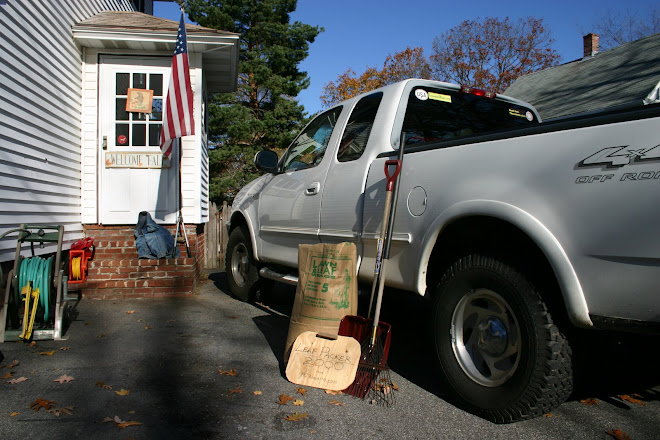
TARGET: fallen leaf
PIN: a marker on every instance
(47, 353)
(146, 327)
(336, 403)
(232, 372)
(102, 385)
(171, 320)
(257, 393)
(298, 402)
(65, 348)
(631, 399)
(123, 392)
(284, 399)
(6, 376)
(59, 411)
(140, 320)
(302, 391)
(333, 393)
(41, 403)
(548, 415)
(89, 323)
(618, 434)
(33, 344)
(130, 312)
(13, 364)
(101, 336)
(589, 402)
(64, 378)
(236, 390)
(119, 422)
(295, 417)
(14, 414)
(17, 380)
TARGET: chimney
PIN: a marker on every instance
(590, 45)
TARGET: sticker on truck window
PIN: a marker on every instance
(439, 97)
(421, 94)
(515, 112)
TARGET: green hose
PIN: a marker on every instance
(38, 271)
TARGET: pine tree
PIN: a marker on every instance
(263, 113)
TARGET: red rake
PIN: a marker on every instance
(372, 380)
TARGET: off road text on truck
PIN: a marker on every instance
(516, 231)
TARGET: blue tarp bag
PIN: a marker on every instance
(152, 240)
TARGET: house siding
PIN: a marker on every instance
(40, 115)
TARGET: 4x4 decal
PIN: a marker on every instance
(615, 157)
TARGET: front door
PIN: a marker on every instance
(134, 177)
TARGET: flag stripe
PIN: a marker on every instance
(178, 112)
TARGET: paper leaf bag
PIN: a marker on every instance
(326, 290)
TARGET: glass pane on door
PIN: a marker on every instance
(138, 129)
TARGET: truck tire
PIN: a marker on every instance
(240, 266)
(501, 356)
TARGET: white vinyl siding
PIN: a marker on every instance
(40, 114)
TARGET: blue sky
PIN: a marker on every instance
(361, 33)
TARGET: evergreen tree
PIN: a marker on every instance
(263, 113)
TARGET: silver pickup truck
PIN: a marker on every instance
(516, 230)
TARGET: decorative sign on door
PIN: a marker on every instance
(120, 159)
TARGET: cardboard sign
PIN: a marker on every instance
(323, 361)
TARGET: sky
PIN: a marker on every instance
(362, 33)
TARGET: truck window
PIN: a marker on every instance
(358, 128)
(438, 115)
(310, 145)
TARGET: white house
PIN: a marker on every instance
(70, 153)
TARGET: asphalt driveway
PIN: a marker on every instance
(211, 367)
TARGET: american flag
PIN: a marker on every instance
(178, 113)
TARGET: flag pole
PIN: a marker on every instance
(179, 220)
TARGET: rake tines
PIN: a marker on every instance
(372, 380)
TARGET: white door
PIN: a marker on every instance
(133, 176)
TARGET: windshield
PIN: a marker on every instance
(439, 114)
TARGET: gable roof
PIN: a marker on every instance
(624, 75)
(138, 31)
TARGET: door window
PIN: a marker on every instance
(138, 129)
(358, 128)
(310, 145)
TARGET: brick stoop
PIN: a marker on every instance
(116, 271)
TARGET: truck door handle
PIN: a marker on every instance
(313, 189)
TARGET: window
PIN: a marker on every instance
(310, 145)
(438, 114)
(358, 128)
(138, 129)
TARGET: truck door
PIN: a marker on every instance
(290, 204)
(343, 193)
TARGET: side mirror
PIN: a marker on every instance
(266, 160)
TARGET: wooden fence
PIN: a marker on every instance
(215, 236)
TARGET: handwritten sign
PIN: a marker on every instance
(118, 159)
(326, 362)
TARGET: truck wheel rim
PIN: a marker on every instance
(486, 337)
(240, 264)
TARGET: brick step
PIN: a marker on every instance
(115, 271)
